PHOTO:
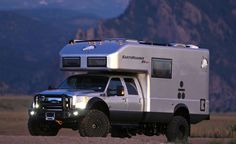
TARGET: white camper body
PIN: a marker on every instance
(169, 76)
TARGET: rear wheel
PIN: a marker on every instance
(178, 130)
(94, 124)
(120, 132)
(149, 130)
(39, 128)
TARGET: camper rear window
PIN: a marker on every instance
(161, 68)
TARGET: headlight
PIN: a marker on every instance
(35, 105)
(80, 101)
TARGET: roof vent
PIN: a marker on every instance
(131, 41)
(192, 46)
(180, 45)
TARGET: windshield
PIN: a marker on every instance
(85, 82)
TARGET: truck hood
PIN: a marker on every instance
(71, 92)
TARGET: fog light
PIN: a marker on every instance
(32, 113)
(75, 113)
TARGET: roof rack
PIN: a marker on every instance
(120, 40)
(180, 45)
(123, 40)
(78, 41)
(153, 43)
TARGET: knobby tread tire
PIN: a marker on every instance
(38, 128)
(178, 130)
(32, 127)
(94, 124)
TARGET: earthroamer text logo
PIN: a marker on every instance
(132, 57)
(135, 58)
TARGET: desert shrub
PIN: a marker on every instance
(220, 126)
(232, 141)
(215, 142)
(233, 128)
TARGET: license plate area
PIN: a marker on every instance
(50, 116)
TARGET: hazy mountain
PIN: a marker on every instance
(60, 17)
(209, 24)
(102, 8)
(28, 53)
(31, 35)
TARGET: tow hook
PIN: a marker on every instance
(59, 122)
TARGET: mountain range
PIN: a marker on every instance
(208, 24)
(101, 8)
(28, 52)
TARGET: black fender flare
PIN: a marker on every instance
(99, 104)
(182, 110)
(180, 105)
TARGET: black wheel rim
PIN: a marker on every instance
(96, 128)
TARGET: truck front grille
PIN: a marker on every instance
(53, 102)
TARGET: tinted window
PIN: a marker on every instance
(71, 62)
(113, 85)
(97, 62)
(85, 82)
(161, 68)
(131, 87)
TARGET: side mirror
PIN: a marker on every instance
(120, 91)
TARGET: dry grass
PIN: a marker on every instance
(13, 111)
(13, 122)
(220, 126)
(14, 103)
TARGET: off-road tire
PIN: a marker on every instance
(32, 127)
(178, 130)
(38, 128)
(94, 124)
(119, 132)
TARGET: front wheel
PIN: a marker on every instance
(94, 124)
(39, 128)
(178, 130)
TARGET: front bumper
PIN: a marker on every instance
(63, 117)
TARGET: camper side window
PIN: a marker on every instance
(161, 68)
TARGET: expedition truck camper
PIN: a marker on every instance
(125, 86)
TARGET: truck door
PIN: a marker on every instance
(135, 100)
(133, 97)
(117, 102)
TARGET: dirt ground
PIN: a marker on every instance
(13, 129)
(78, 140)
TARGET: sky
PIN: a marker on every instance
(102, 8)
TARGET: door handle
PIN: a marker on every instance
(124, 99)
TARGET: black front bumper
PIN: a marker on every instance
(64, 118)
